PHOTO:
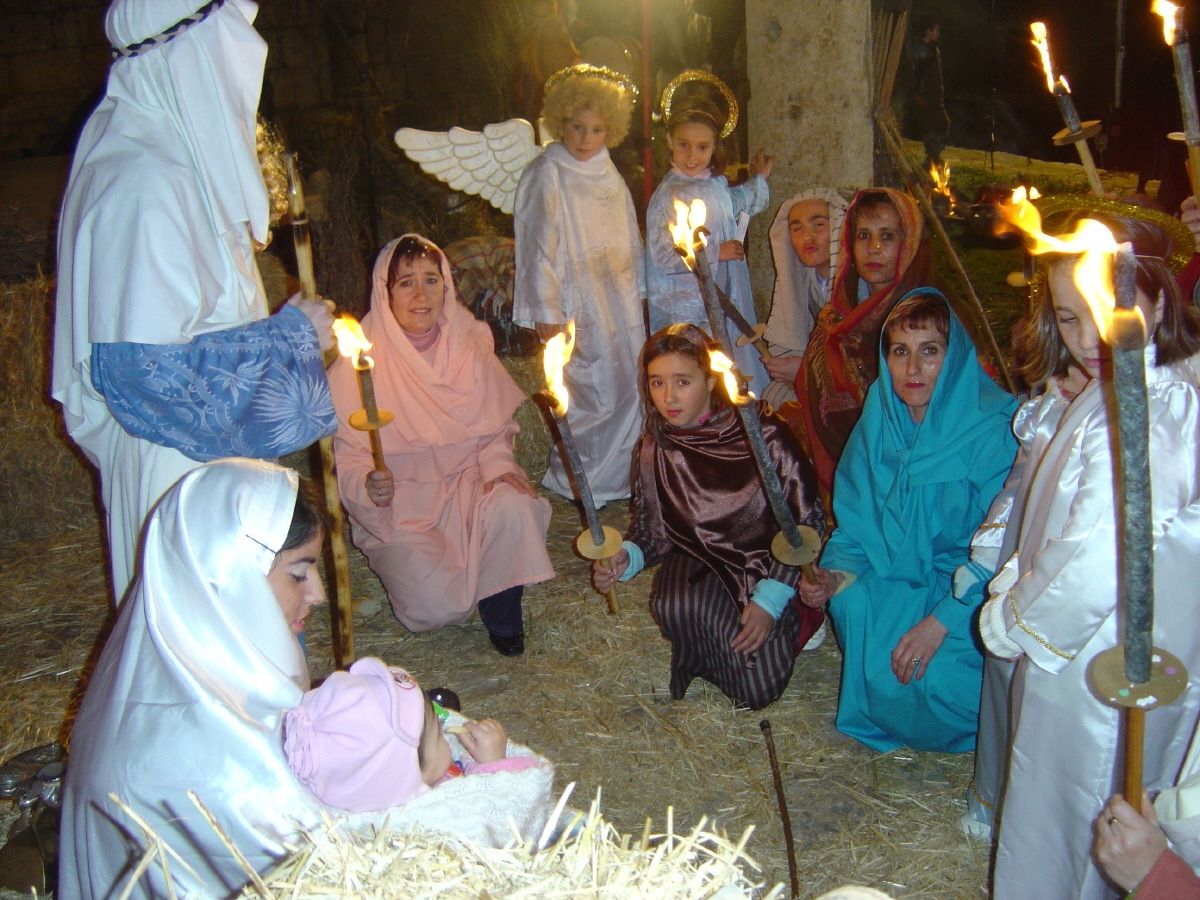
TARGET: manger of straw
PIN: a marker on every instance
(575, 854)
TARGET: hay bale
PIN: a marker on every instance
(46, 486)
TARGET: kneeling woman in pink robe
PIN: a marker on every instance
(454, 523)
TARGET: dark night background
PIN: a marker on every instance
(992, 76)
(342, 75)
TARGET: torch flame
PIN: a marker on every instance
(687, 220)
(1091, 241)
(351, 341)
(1170, 17)
(722, 365)
(1042, 43)
(554, 360)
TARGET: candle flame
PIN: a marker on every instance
(1042, 43)
(554, 360)
(1170, 17)
(351, 341)
(687, 220)
(722, 365)
(1091, 241)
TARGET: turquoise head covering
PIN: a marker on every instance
(889, 459)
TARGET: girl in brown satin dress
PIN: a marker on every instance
(699, 508)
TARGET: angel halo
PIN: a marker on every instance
(688, 76)
(489, 163)
(587, 70)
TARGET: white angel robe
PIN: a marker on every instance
(1053, 608)
(579, 256)
(1034, 425)
(164, 196)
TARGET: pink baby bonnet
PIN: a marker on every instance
(353, 741)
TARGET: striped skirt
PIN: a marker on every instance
(698, 616)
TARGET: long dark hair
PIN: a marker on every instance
(688, 341)
(1038, 349)
(309, 517)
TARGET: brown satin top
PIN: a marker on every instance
(698, 490)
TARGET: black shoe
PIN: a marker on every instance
(513, 645)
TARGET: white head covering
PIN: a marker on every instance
(165, 191)
(457, 392)
(791, 322)
(209, 78)
(189, 694)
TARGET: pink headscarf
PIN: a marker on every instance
(353, 741)
(454, 392)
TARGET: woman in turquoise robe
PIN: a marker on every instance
(908, 495)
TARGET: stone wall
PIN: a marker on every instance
(52, 62)
(421, 59)
(809, 64)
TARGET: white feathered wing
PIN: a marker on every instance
(488, 163)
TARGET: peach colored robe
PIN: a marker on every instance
(444, 542)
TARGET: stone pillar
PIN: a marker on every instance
(809, 66)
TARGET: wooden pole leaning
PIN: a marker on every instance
(891, 137)
(342, 613)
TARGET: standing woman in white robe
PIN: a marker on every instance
(579, 256)
(164, 353)
(191, 688)
(1053, 606)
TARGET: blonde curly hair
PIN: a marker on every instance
(610, 101)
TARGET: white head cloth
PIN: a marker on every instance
(165, 190)
(790, 322)
(189, 694)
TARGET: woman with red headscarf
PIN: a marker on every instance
(888, 257)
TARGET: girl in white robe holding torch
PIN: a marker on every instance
(1053, 606)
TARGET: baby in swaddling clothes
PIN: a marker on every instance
(368, 740)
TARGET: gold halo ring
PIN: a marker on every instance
(1182, 241)
(587, 70)
(690, 75)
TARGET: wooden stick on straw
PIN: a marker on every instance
(342, 618)
(784, 818)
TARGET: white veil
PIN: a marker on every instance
(790, 322)
(164, 194)
(189, 694)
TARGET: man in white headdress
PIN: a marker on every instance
(164, 353)
(804, 243)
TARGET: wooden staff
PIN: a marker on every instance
(784, 818)
(342, 618)
(891, 137)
